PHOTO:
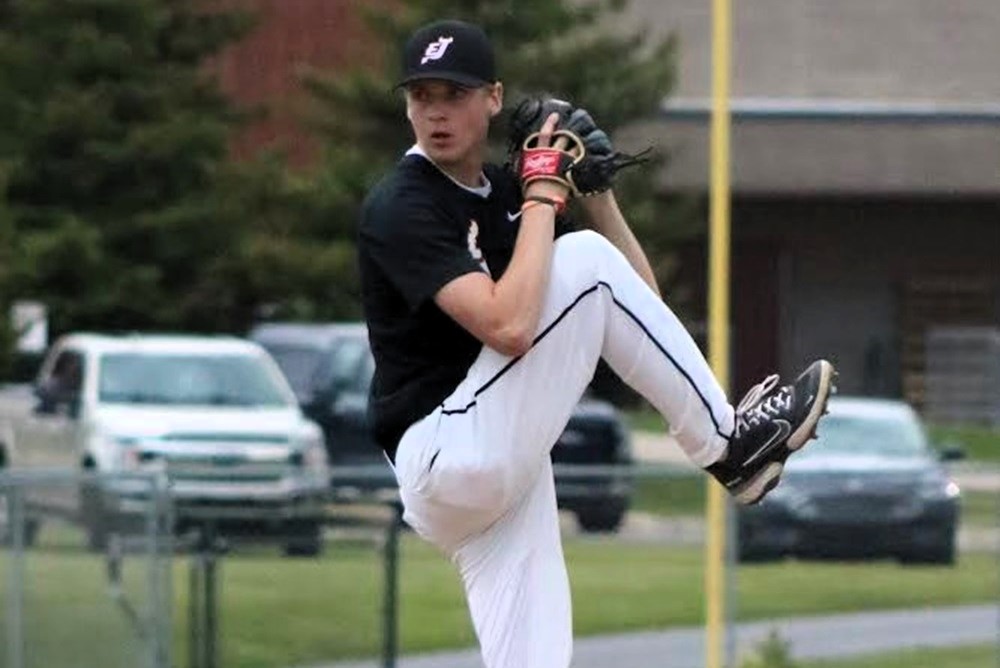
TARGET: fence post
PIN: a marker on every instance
(203, 598)
(159, 532)
(15, 577)
(390, 612)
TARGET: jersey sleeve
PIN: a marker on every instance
(419, 249)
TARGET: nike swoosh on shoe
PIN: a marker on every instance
(781, 433)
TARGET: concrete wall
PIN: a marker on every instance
(941, 50)
(804, 156)
(820, 58)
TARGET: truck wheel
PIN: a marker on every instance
(601, 520)
(31, 526)
(941, 554)
(304, 538)
(94, 515)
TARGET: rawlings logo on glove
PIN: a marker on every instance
(588, 171)
(552, 163)
(540, 161)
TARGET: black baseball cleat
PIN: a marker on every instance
(772, 422)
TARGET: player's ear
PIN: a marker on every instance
(409, 107)
(496, 98)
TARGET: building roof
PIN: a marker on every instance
(838, 147)
(852, 97)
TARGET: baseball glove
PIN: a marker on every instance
(592, 170)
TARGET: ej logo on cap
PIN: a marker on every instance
(436, 49)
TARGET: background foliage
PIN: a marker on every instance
(121, 209)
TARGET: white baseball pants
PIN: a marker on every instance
(475, 475)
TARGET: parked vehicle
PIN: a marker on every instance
(870, 486)
(330, 367)
(214, 413)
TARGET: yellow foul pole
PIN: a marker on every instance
(718, 320)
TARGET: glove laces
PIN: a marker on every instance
(754, 408)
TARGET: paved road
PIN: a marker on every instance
(810, 638)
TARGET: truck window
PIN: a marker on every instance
(346, 359)
(185, 379)
(300, 364)
(66, 380)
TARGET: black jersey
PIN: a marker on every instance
(419, 231)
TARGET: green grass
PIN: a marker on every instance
(281, 612)
(979, 443)
(676, 495)
(978, 656)
(685, 495)
(981, 509)
(644, 418)
(328, 609)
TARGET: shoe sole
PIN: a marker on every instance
(770, 475)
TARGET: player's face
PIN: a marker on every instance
(451, 122)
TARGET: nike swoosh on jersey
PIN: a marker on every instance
(513, 216)
(781, 432)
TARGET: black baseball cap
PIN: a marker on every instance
(451, 50)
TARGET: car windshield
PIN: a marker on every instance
(189, 380)
(352, 366)
(888, 436)
(299, 364)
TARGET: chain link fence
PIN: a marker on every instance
(85, 574)
(85, 589)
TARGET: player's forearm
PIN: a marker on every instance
(604, 217)
(519, 293)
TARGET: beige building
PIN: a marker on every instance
(865, 175)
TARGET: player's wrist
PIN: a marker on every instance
(546, 188)
(557, 203)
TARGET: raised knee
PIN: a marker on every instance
(484, 483)
(582, 242)
(579, 257)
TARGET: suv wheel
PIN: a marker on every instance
(942, 553)
(304, 538)
(31, 526)
(93, 515)
(601, 519)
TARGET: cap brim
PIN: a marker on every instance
(461, 79)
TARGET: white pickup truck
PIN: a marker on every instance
(214, 413)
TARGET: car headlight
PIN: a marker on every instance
(113, 452)
(313, 451)
(934, 487)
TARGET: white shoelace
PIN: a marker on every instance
(751, 410)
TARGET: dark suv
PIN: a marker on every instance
(330, 367)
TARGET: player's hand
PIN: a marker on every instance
(546, 159)
(597, 163)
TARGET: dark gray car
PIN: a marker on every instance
(330, 367)
(870, 486)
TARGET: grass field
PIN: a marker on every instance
(979, 443)
(980, 656)
(281, 612)
(680, 495)
(685, 496)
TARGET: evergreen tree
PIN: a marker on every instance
(114, 139)
(568, 49)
